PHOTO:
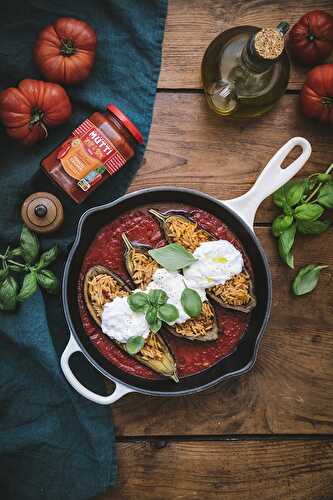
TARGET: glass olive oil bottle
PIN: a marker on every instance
(245, 70)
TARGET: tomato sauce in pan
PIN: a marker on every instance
(107, 249)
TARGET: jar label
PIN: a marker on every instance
(88, 154)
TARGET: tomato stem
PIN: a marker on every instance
(37, 116)
(311, 37)
(327, 101)
(67, 47)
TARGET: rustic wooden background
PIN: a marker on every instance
(269, 433)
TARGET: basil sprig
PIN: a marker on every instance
(154, 306)
(307, 279)
(172, 257)
(26, 261)
(303, 203)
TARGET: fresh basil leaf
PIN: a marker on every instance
(308, 211)
(18, 269)
(8, 294)
(191, 302)
(48, 280)
(47, 258)
(324, 177)
(153, 321)
(294, 192)
(325, 196)
(307, 279)
(29, 287)
(15, 252)
(3, 275)
(168, 313)
(134, 345)
(156, 326)
(151, 315)
(138, 301)
(29, 245)
(281, 223)
(287, 210)
(312, 226)
(285, 244)
(157, 297)
(172, 257)
(279, 197)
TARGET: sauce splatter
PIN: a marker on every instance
(107, 249)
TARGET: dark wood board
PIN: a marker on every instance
(232, 470)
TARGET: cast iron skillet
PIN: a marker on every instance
(238, 214)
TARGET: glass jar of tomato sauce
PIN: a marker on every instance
(94, 151)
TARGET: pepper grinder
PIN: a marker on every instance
(42, 213)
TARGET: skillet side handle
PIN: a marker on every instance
(119, 391)
(270, 179)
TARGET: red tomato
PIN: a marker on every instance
(311, 38)
(65, 51)
(28, 110)
(317, 94)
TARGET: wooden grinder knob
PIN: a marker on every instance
(42, 213)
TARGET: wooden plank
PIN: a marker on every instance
(290, 389)
(192, 24)
(190, 146)
(291, 470)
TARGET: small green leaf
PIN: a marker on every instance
(8, 294)
(29, 287)
(157, 297)
(153, 321)
(191, 302)
(285, 244)
(324, 178)
(281, 223)
(15, 252)
(168, 313)
(312, 226)
(47, 258)
(48, 280)
(138, 301)
(325, 196)
(151, 315)
(172, 257)
(3, 274)
(134, 345)
(307, 279)
(294, 191)
(308, 211)
(29, 245)
(18, 269)
(279, 197)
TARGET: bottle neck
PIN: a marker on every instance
(252, 61)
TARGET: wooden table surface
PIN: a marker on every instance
(269, 433)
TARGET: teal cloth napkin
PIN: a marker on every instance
(54, 444)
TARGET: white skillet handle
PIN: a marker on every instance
(270, 179)
(119, 391)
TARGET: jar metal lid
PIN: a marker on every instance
(127, 122)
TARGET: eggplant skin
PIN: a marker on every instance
(167, 365)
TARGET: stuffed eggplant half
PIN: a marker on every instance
(142, 268)
(101, 287)
(237, 291)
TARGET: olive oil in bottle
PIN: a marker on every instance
(245, 70)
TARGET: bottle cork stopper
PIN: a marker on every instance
(42, 212)
(269, 43)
